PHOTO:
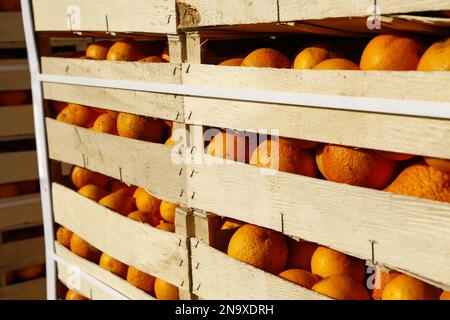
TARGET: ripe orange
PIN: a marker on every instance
(113, 114)
(125, 50)
(113, 265)
(147, 202)
(167, 210)
(165, 55)
(229, 223)
(165, 291)
(14, 97)
(63, 235)
(81, 177)
(445, 295)
(422, 181)
(336, 64)
(118, 202)
(262, 248)
(73, 295)
(341, 287)
(286, 155)
(29, 273)
(8, 190)
(93, 192)
(437, 57)
(358, 167)
(326, 262)
(439, 164)
(141, 280)
(27, 187)
(301, 277)
(405, 287)
(119, 186)
(395, 155)
(139, 127)
(152, 59)
(230, 146)
(57, 106)
(10, 5)
(98, 50)
(166, 226)
(313, 54)
(384, 279)
(233, 62)
(266, 58)
(77, 115)
(105, 123)
(300, 254)
(392, 52)
(319, 159)
(169, 142)
(83, 249)
(145, 217)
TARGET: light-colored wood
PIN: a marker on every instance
(193, 48)
(206, 226)
(28, 290)
(410, 234)
(20, 212)
(16, 121)
(69, 275)
(149, 16)
(23, 253)
(18, 166)
(11, 27)
(218, 276)
(140, 163)
(156, 252)
(177, 48)
(14, 79)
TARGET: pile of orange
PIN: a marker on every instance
(12, 189)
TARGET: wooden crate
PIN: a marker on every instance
(14, 74)
(28, 290)
(16, 122)
(11, 29)
(18, 166)
(20, 212)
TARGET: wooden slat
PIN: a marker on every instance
(69, 277)
(237, 280)
(11, 28)
(18, 166)
(410, 234)
(23, 253)
(152, 16)
(20, 212)
(14, 79)
(141, 163)
(16, 121)
(159, 253)
(28, 290)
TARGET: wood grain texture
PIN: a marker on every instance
(16, 121)
(18, 166)
(159, 253)
(410, 234)
(11, 27)
(149, 16)
(140, 163)
(68, 275)
(23, 253)
(237, 280)
(20, 212)
(28, 290)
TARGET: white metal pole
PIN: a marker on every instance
(41, 147)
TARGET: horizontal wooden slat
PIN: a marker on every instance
(159, 253)
(16, 121)
(150, 16)
(11, 28)
(20, 212)
(238, 280)
(18, 166)
(410, 234)
(23, 253)
(67, 274)
(15, 75)
(144, 164)
(28, 290)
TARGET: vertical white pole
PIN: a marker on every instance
(41, 147)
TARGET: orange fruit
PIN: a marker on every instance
(289, 156)
(395, 155)
(125, 50)
(29, 273)
(63, 235)
(113, 114)
(8, 190)
(144, 217)
(300, 254)
(118, 202)
(77, 115)
(233, 62)
(437, 57)
(326, 262)
(113, 265)
(438, 164)
(229, 223)
(384, 279)
(119, 186)
(139, 127)
(266, 58)
(57, 106)
(260, 247)
(341, 287)
(230, 146)
(392, 52)
(83, 249)
(165, 55)
(301, 277)
(81, 177)
(336, 64)
(358, 167)
(27, 187)
(169, 142)
(166, 226)
(98, 50)
(141, 280)
(422, 181)
(14, 97)
(10, 5)
(445, 294)
(165, 291)
(313, 54)
(147, 202)
(319, 159)
(405, 287)
(152, 59)
(73, 295)
(167, 210)
(105, 123)
(93, 192)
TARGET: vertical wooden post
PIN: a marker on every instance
(184, 226)
(177, 47)
(193, 47)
